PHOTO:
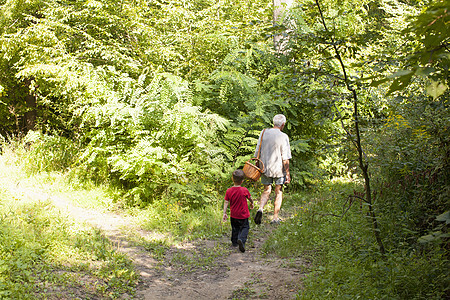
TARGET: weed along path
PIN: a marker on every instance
(201, 269)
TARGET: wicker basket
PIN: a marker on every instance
(252, 171)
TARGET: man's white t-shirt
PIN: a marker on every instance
(275, 148)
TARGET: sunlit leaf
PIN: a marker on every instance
(436, 89)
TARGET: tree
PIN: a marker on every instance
(280, 7)
(363, 164)
(52, 50)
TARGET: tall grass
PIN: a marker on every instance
(38, 152)
(44, 255)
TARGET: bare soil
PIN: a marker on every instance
(202, 269)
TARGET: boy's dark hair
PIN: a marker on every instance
(238, 176)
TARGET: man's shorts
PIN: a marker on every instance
(270, 180)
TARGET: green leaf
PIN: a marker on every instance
(426, 238)
(436, 89)
(434, 236)
(445, 217)
(401, 73)
(400, 83)
(376, 83)
(425, 71)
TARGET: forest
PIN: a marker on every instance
(156, 102)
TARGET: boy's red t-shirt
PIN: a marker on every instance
(237, 196)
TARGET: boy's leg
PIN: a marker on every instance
(243, 232)
(234, 231)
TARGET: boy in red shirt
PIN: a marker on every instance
(237, 196)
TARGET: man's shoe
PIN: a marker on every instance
(258, 217)
(241, 246)
(275, 221)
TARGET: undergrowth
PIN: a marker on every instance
(346, 263)
(328, 228)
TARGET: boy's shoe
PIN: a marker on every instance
(258, 217)
(241, 246)
(234, 245)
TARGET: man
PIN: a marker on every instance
(275, 154)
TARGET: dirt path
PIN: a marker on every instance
(204, 269)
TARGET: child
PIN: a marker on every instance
(237, 197)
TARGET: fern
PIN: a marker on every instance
(227, 74)
(150, 137)
(238, 143)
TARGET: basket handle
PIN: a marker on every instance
(260, 143)
(255, 158)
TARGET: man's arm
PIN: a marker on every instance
(286, 168)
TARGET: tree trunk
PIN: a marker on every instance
(364, 168)
(279, 7)
(30, 114)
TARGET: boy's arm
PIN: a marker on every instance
(225, 206)
(251, 202)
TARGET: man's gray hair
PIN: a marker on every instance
(279, 120)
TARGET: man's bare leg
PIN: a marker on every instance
(278, 200)
(265, 196)
(262, 202)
